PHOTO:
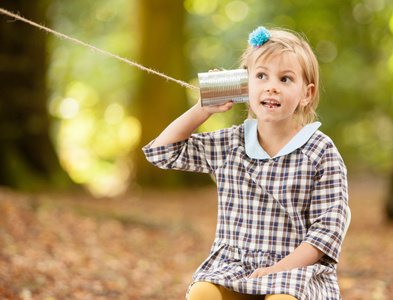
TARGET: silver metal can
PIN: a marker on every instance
(218, 87)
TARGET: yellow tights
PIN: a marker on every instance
(202, 290)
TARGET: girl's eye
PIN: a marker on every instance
(261, 76)
(286, 79)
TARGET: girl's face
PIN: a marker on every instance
(277, 88)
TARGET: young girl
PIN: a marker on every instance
(282, 188)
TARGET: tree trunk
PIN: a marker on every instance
(389, 199)
(27, 156)
(159, 102)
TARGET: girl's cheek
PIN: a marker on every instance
(251, 85)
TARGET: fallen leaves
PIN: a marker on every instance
(147, 245)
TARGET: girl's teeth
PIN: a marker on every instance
(271, 104)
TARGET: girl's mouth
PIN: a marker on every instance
(270, 103)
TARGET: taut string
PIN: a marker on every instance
(182, 83)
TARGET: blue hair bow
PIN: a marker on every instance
(258, 37)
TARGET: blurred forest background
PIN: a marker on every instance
(73, 120)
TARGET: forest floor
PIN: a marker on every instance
(148, 244)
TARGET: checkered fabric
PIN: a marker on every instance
(266, 208)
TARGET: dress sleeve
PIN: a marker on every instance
(329, 203)
(203, 152)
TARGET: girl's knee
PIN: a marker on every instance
(202, 290)
(280, 297)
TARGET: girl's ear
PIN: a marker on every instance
(308, 96)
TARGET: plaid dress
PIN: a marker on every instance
(268, 206)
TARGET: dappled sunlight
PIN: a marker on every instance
(326, 51)
(375, 5)
(216, 18)
(69, 108)
(94, 132)
(95, 153)
(94, 141)
(236, 10)
(92, 95)
(362, 14)
(207, 50)
(220, 22)
(114, 114)
(113, 178)
(85, 94)
(200, 7)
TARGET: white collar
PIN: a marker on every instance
(254, 149)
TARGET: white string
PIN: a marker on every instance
(182, 83)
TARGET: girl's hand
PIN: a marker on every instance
(304, 255)
(212, 109)
(260, 272)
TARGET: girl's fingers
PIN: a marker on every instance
(221, 108)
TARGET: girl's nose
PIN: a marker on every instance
(272, 89)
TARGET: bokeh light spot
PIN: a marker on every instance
(236, 10)
(114, 114)
(326, 51)
(200, 7)
(362, 14)
(69, 108)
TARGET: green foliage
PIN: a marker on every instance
(353, 42)
(92, 93)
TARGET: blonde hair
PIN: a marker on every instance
(282, 41)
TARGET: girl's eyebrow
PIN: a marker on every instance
(262, 67)
(288, 71)
(281, 71)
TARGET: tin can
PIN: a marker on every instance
(218, 87)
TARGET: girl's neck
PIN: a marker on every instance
(273, 137)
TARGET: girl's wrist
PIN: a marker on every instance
(201, 111)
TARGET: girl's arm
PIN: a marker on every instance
(186, 124)
(302, 256)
